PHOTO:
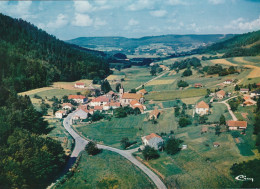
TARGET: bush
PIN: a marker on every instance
(182, 83)
(150, 153)
(172, 146)
(92, 149)
(184, 121)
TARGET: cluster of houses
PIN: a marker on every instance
(106, 102)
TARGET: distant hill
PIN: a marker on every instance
(130, 44)
(247, 44)
(31, 58)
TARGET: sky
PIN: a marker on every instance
(137, 18)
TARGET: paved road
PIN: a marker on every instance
(229, 109)
(153, 79)
(80, 144)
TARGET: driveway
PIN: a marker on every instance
(80, 144)
(229, 109)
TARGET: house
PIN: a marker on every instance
(80, 85)
(83, 107)
(204, 130)
(114, 105)
(243, 90)
(248, 101)
(67, 106)
(128, 97)
(220, 94)
(153, 140)
(142, 92)
(80, 114)
(60, 114)
(198, 85)
(216, 144)
(164, 67)
(258, 85)
(184, 147)
(255, 93)
(228, 81)
(135, 104)
(110, 95)
(99, 101)
(98, 108)
(235, 125)
(202, 108)
(78, 98)
(154, 114)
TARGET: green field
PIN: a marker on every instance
(176, 94)
(201, 164)
(216, 112)
(109, 167)
(133, 127)
(59, 93)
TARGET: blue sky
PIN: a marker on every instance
(137, 18)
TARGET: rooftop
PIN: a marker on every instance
(76, 97)
(153, 135)
(132, 96)
(232, 123)
(202, 104)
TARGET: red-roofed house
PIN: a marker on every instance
(128, 97)
(235, 125)
(98, 108)
(60, 114)
(198, 85)
(202, 108)
(135, 104)
(220, 94)
(153, 140)
(243, 90)
(142, 92)
(228, 81)
(80, 85)
(67, 106)
(258, 85)
(78, 98)
(99, 101)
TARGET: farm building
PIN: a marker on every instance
(198, 85)
(255, 93)
(78, 98)
(164, 67)
(235, 125)
(67, 106)
(99, 101)
(154, 114)
(135, 104)
(142, 92)
(80, 85)
(60, 114)
(258, 85)
(228, 81)
(80, 114)
(243, 90)
(128, 97)
(220, 94)
(216, 144)
(153, 140)
(202, 108)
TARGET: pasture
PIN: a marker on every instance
(106, 170)
(133, 127)
(216, 111)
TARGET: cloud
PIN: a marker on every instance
(99, 22)
(133, 22)
(216, 2)
(177, 2)
(83, 6)
(241, 24)
(82, 20)
(158, 13)
(61, 21)
(19, 10)
(141, 4)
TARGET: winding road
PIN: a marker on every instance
(80, 144)
(229, 109)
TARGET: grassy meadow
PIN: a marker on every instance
(106, 170)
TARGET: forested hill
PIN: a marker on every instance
(247, 44)
(31, 58)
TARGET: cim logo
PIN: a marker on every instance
(243, 178)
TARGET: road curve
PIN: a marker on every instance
(80, 144)
(229, 109)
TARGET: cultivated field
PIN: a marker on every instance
(107, 170)
(161, 82)
(70, 85)
(223, 61)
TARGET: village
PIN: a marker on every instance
(84, 107)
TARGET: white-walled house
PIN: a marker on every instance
(235, 125)
(60, 114)
(153, 140)
(99, 101)
(80, 114)
(80, 85)
(77, 98)
(67, 106)
(228, 81)
(202, 108)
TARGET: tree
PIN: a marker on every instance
(118, 86)
(177, 111)
(105, 86)
(182, 83)
(153, 71)
(125, 142)
(172, 146)
(217, 130)
(222, 120)
(137, 111)
(132, 91)
(237, 88)
(92, 149)
(120, 56)
(183, 122)
(150, 153)
(187, 72)
(97, 116)
(120, 112)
